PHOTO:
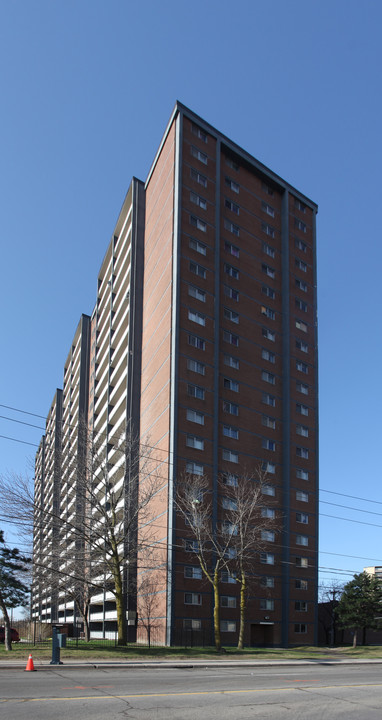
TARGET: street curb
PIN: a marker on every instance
(187, 665)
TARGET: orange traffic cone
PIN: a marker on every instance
(30, 666)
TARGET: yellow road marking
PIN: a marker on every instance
(185, 694)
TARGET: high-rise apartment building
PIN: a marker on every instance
(204, 338)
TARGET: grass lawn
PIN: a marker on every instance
(99, 651)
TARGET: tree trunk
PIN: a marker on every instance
(216, 610)
(364, 636)
(7, 625)
(355, 639)
(243, 588)
(84, 612)
(120, 607)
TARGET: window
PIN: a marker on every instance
(302, 452)
(231, 362)
(267, 189)
(268, 444)
(192, 599)
(232, 249)
(268, 467)
(198, 246)
(301, 285)
(229, 504)
(302, 496)
(268, 377)
(231, 384)
(268, 229)
(300, 245)
(299, 205)
(302, 388)
(196, 342)
(269, 292)
(267, 581)
(192, 624)
(230, 432)
(228, 577)
(302, 430)
(268, 270)
(197, 200)
(195, 416)
(231, 315)
(230, 456)
(198, 177)
(301, 628)
(301, 345)
(231, 338)
(196, 293)
(302, 562)
(196, 317)
(229, 528)
(267, 512)
(302, 367)
(301, 305)
(302, 540)
(266, 604)
(301, 605)
(194, 365)
(301, 265)
(232, 164)
(232, 206)
(268, 535)
(199, 133)
(231, 293)
(199, 224)
(227, 626)
(269, 399)
(301, 584)
(194, 468)
(268, 489)
(300, 225)
(231, 408)
(231, 227)
(198, 269)
(195, 442)
(268, 355)
(301, 326)
(268, 250)
(268, 312)
(227, 601)
(268, 422)
(231, 271)
(269, 334)
(302, 474)
(195, 391)
(267, 558)
(230, 479)
(191, 545)
(302, 518)
(267, 209)
(232, 185)
(199, 155)
(193, 572)
(302, 409)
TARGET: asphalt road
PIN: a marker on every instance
(312, 691)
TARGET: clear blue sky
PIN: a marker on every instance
(87, 87)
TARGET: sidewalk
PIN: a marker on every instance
(190, 664)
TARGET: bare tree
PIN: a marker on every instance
(246, 512)
(231, 542)
(149, 604)
(101, 520)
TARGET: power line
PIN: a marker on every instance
(24, 442)
(20, 422)
(25, 412)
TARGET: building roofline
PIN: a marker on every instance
(234, 148)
